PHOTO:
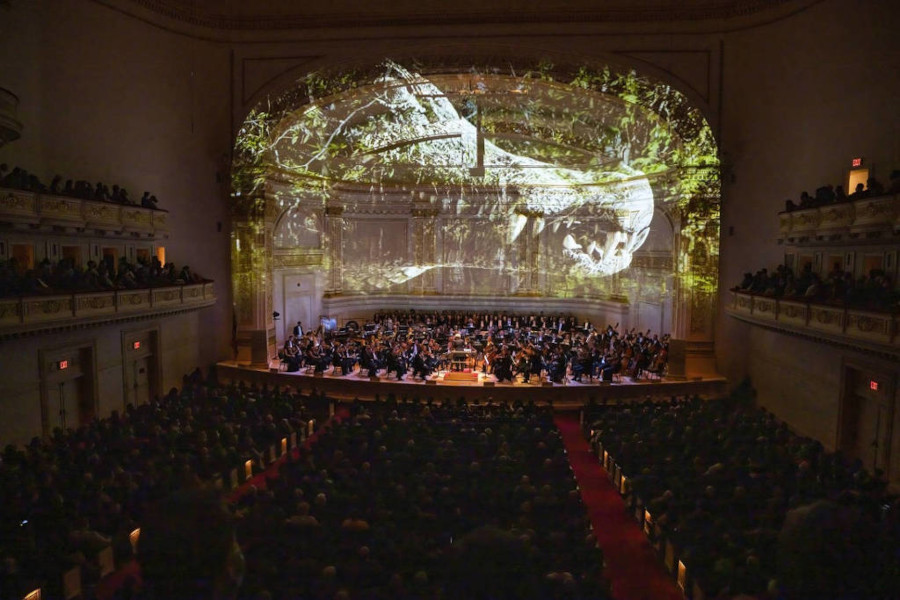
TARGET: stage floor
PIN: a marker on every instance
(449, 385)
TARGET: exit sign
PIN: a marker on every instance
(63, 365)
(873, 385)
(136, 345)
(856, 162)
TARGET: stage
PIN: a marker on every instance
(471, 385)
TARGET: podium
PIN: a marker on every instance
(459, 359)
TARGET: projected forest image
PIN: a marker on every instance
(545, 179)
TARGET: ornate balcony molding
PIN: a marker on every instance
(45, 211)
(867, 331)
(870, 219)
(10, 125)
(30, 315)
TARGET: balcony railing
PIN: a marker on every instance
(29, 314)
(870, 330)
(877, 217)
(20, 207)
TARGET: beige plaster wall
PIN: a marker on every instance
(801, 98)
(20, 385)
(104, 97)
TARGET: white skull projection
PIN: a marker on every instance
(405, 129)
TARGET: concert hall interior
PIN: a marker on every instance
(682, 218)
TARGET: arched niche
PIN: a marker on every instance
(480, 184)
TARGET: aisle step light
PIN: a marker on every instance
(248, 469)
(133, 537)
(284, 446)
(682, 576)
(669, 559)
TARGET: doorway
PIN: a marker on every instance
(140, 363)
(68, 400)
(866, 417)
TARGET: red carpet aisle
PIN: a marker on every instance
(259, 480)
(634, 570)
(112, 583)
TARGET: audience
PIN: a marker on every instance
(873, 292)
(65, 277)
(65, 496)
(20, 179)
(829, 194)
(419, 500)
(720, 477)
(412, 500)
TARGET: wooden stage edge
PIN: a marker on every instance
(571, 394)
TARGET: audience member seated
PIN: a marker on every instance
(829, 194)
(419, 500)
(873, 292)
(65, 277)
(64, 497)
(719, 477)
(20, 179)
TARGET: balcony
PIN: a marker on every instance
(36, 314)
(870, 331)
(875, 218)
(43, 211)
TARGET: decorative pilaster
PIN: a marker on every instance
(334, 248)
(252, 250)
(529, 253)
(692, 352)
(425, 247)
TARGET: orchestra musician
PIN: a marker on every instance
(504, 344)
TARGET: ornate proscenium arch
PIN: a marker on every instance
(478, 182)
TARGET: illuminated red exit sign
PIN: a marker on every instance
(856, 162)
(63, 364)
(136, 345)
(873, 385)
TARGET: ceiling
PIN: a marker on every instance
(242, 15)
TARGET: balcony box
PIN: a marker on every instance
(168, 296)
(805, 223)
(836, 220)
(61, 212)
(875, 214)
(764, 307)
(37, 309)
(102, 215)
(827, 319)
(137, 220)
(10, 312)
(133, 301)
(793, 312)
(18, 207)
(869, 326)
(94, 304)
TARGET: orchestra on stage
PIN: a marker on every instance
(507, 346)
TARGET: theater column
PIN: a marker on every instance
(691, 350)
(252, 249)
(334, 243)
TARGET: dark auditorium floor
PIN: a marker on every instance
(634, 570)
